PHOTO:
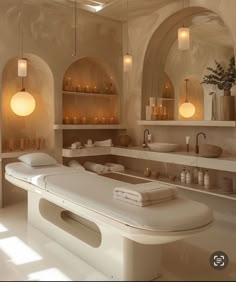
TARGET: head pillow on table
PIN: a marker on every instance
(37, 159)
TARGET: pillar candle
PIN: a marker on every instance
(149, 111)
(22, 144)
(152, 101)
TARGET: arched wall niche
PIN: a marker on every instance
(159, 58)
(90, 93)
(36, 129)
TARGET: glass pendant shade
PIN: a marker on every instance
(128, 63)
(183, 38)
(22, 67)
(23, 103)
(187, 110)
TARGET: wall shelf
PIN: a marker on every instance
(88, 126)
(178, 184)
(88, 94)
(86, 152)
(17, 154)
(207, 123)
(181, 158)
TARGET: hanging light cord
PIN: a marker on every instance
(22, 45)
(75, 34)
(127, 35)
(186, 90)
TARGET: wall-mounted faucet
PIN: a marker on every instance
(144, 138)
(197, 146)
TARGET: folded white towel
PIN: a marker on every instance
(142, 203)
(105, 143)
(146, 192)
(115, 167)
(94, 167)
(75, 164)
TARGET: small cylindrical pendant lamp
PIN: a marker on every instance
(128, 63)
(22, 67)
(183, 38)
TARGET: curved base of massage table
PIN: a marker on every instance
(120, 251)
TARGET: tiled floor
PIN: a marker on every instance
(28, 255)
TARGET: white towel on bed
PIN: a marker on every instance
(97, 168)
(115, 167)
(145, 194)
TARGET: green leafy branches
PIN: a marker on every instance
(223, 78)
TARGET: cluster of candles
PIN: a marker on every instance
(86, 120)
(156, 111)
(22, 144)
(69, 85)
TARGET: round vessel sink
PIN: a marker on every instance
(209, 151)
(163, 147)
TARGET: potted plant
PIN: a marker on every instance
(224, 79)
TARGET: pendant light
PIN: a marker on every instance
(75, 31)
(183, 37)
(22, 103)
(22, 62)
(127, 59)
(187, 109)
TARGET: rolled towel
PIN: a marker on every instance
(146, 192)
(115, 167)
(75, 164)
(105, 143)
(94, 167)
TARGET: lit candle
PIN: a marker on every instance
(96, 120)
(78, 88)
(87, 88)
(95, 89)
(66, 120)
(103, 120)
(152, 101)
(84, 120)
(112, 120)
(75, 120)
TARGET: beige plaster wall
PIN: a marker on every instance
(48, 31)
(220, 237)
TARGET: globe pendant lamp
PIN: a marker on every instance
(23, 103)
(187, 109)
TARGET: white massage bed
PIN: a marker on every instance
(123, 241)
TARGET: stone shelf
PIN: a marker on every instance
(88, 94)
(87, 126)
(17, 154)
(204, 123)
(179, 158)
(192, 187)
(224, 163)
(86, 152)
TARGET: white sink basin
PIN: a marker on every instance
(163, 147)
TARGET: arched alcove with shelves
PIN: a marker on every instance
(90, 93)
(35, 131)
(210, 40)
